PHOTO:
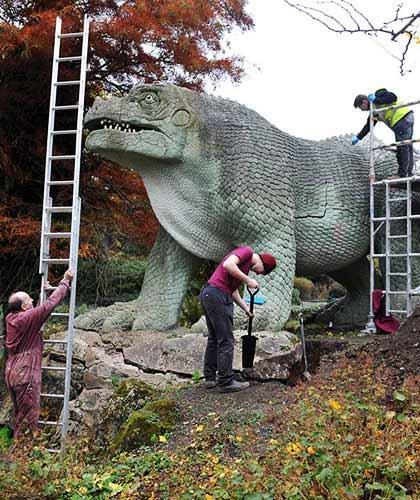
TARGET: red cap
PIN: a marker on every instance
(269, 262)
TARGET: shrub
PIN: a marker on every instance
(296, 297)
(103, 282)
(191, 309)
(305, 287)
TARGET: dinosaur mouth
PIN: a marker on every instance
(129, 128)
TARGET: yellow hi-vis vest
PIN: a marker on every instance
(390, 116)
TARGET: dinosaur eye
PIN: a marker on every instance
(149, 99)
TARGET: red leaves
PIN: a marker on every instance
(131, 41)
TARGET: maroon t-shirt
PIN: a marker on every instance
(222, 279)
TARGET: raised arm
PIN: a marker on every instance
(38, 315)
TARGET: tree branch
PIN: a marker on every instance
(359, 22)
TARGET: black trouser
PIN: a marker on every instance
(218, 308)
(404, 131)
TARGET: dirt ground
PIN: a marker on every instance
(400, 351)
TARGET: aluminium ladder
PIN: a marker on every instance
(387, 221)
(48, 233)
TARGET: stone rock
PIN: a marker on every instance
(92, 381)
(82, 342)
(276, 353)
(200, 326)
(161, 379)
(275, 356)
(159, 359)
(85, 411)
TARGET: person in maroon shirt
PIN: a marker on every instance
(217, 299)
(24, 346)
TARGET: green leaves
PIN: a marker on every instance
(399, 396)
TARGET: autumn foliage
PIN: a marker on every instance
(181, 41)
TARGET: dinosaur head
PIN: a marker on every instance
(151, 123)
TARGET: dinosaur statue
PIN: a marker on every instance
(219, 175)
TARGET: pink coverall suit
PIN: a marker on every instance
(24, 345)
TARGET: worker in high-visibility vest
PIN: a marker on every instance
(400, 121)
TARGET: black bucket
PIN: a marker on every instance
(249, 342)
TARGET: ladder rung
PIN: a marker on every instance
(46, 395)
(49, 422)
(397, 293)
(55, 341)
(68, 59)
(59, 210)
(60, 315)
(398, 199)
(395, 236)
(62, 157)
(60, 183)
(405, 255)
(397, 274)
(54, 368)
(58, 235)
(67, 106)
(64, 132)
(56, 261)
(401, 217)
(397, 311)
(70, 35)
(381, 219)
(67, 82)
(396, 255)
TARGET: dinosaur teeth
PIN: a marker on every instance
(111, 125)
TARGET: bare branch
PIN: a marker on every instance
(360, 13)
(405, 53)
(404, 28)
(342, 16)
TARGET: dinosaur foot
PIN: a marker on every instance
(133, 315)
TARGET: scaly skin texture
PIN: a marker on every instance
(218, 176)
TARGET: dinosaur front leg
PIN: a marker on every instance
(168, 273)
(165, 283)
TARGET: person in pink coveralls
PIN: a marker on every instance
(24, 344)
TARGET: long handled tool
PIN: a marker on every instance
(306, 373)
(249, 341)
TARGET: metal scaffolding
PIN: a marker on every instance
(398, 192)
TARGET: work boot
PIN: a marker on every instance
(209, 384)
(233, 386)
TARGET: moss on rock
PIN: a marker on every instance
(155, 418)
(135, 412)
(133, 388)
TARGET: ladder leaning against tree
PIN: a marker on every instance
(377, 223)
(53, 161)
